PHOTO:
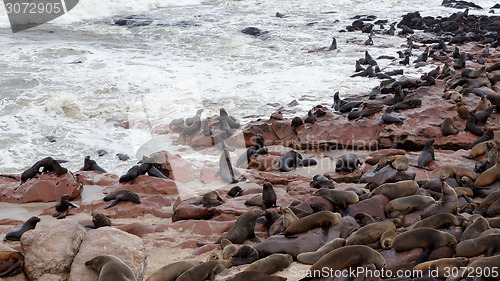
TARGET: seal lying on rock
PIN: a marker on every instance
(11, 263)
(347, 163)
(48, 164)
(111, 268)
(121, 195)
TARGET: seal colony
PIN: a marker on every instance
(417, 205)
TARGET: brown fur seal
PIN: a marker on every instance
(340, 198)
(363, 218)
(369, 233)
(28, 225)
(172, 271)
(228, 248)
(426, 238)
(477, 246)
(271, 264)
(288, 216)
(48, 164)
(63, 205)
(111, 268)
(324, 219)
(99, 220)
(375, 159)
(204, 271)
(489, 176)
(494, 222)
(292, 159)
(447, 127)
(448, 203)
(462, 110)
(121, 195)
(268, 196)
(457, 172)
(440, 221)
(243, 229)
(320, 180)
(426, 156)
(354, 255)
(234, 191)
(347, 163)
(255, 201)
(313, 257)
(398, 162)
(488, 135)
(244, 255)
(481, 148)
(254, 276)
(482, 104)
(11, 263)
(408, 204)
(487, 202)
(479, 226)
(396, 190)
(487, 265)
(387, 238)
(211, 199)
(91, 165)
(442, 265)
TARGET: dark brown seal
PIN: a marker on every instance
(488, 245)
(172, 271)
(243, 229)
(121, 195)
(111, 268)
(354, 255)
(369, 233)
(271, 264)
(442, 265)
(324, 219)
(211, 199)
(268, 196)
(313, 257)
(99, 220)
(28, 225)
(11, 263)
(440, 221)
(91, 165)
(448, 203)
(396, 189)
(204, 271)
(244, 255)
(254, 276)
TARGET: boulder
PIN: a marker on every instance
(41, 188)
(96, 178)
(51, 248)
(109, 241)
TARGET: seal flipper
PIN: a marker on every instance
(91, 226)
(112, 204)
(467, 198)
(254, 239)
(423, 256)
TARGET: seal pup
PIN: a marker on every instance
(320, 181)
(337, 101)
(171, 271)
(270, 217)
(121, 195)
(63, 206)
(204, 271)
(268, 196)
(111, 268)
(470, 125)
(296, 123)
(388, 118)
(478, 226)
(292, 159)
(313, 257)
(457, 172)
(370, 233)
(28, 225)
(258, 148)
(447, 127)
(489, 134)
(99, 220)
(11, 263)
(324, 219)
(225, 168)
(244, 255)
(271, 264)
(426, 238)
(122, 156)
(398, 162)
(489, 176)
(426, 156)
(347, 163)
(310, 118)
(482, 104)
(243, 229)
(351, 256)
(228, 249)
(288, 216)
(234, 191)
(91, 165)
(48, 164)
(387, 238)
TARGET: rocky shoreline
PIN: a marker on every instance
(169, 223)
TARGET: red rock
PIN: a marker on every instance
(174, 167)
(300, 189)
(207, 175)
(42, 188)
(204, 249)
(348, 177)
(186, 211)
(96, 178)
(148, 185)
(373, 206)
(137, 228)
(267, 162)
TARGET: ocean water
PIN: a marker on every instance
(76, 77)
